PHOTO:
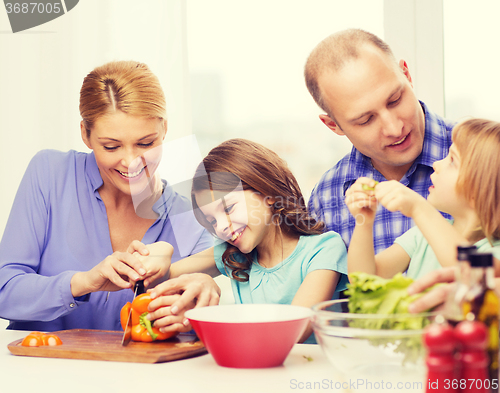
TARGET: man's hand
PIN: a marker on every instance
(435, 297)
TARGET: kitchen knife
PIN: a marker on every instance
(127, 334)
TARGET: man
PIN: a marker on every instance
(368, 97)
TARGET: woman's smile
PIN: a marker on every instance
(131, 175)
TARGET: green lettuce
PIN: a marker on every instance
(370, 294)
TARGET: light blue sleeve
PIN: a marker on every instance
(409, 240)
(329, 253)
(219, 249)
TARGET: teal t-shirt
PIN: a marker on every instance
(279, 284)
(423, 259)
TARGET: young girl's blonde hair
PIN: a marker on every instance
(478, 143)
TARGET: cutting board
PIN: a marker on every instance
(106, 345)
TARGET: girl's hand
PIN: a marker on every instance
(196, 289)
(117, 271)
(164, 319)
(394, 196)
(360, 200)
(156, 261)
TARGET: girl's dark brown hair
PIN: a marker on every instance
(262, 171)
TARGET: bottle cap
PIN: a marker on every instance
(478, 259)
(464, 251)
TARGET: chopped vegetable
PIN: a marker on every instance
(51, 340)
(142, 328)
(366, 187)
(371, 294)
(38, 339)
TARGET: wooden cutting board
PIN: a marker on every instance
(106, 345)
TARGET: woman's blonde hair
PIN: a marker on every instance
(127, 86)
(478, 143)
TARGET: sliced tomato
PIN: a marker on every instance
(51, 339)
(34, 339)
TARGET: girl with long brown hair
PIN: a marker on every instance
(270, 247)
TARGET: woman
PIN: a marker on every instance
(71, 244)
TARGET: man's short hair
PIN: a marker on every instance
(332, 53)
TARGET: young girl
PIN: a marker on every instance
(466, 185)
(272, 250)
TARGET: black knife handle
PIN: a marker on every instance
(140, 287)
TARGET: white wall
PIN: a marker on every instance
(41, 71)
(471, 42)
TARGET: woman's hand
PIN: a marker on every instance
(394, 196)
(175, 296)
(156, 262)
(117, 271)
(360, 200)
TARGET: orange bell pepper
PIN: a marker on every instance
(142, 329)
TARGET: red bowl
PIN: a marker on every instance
(249, 335)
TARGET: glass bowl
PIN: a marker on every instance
(371, 352)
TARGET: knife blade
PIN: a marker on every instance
(127, 334)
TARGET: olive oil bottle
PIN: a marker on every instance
(453, 307)
(481, 303)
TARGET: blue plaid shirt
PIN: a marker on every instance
(327, 198)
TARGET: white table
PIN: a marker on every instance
(198, 375)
